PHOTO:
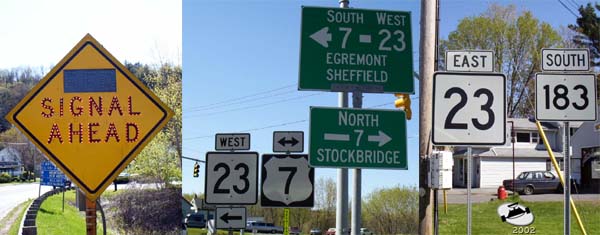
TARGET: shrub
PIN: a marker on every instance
(26, 175)
(5, 178)
(139, 211)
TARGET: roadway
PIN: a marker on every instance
(15, 194)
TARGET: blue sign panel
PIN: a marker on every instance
(90, 80)
(51, 175)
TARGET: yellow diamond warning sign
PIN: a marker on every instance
(90, 116)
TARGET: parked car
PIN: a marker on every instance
(195, 220)
(529, 182)
(294, 231)
(123, 178)
(315, 231)
(330, 231)
(365, 231)
(262, 227)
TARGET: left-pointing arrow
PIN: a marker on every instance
(226, 217)
(322, 37)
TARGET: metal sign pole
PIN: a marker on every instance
(567, 186)
(90, 216)
(469, 175)
(355, 221)
(435, 210)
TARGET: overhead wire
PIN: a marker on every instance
(283, 124)
(568, 9)
(243, 97)
(255, 106)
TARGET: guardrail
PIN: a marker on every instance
(28, 226)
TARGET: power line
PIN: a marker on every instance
(575, 4)
(244, 97)
(283, 124)
(253, 129)
(569, 9)
(255, 106)
(238, 102)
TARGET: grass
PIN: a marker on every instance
(14, 226)
(52, 220)
(548, 218)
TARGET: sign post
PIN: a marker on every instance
(90, 216)
(566, 97)
(286, 221)
(91, 117)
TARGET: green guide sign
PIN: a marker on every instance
(356, 50)
(357, 138)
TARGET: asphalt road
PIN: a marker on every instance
(13, 195)
(459, 196)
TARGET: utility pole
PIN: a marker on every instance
(341, 211)
(426, 69)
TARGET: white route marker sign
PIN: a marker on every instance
(231, 178)
(565, 97)
(567, 59)
(469, 109)
(470, 61)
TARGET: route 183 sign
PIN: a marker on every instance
(90, 116)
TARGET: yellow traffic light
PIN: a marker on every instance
(403, 102)
(196, 170)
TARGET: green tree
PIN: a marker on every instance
(161, 159)
(392, 210)
(588, 29)
(516, 38)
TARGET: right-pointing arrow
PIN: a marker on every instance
(322, 37)
(382, 138)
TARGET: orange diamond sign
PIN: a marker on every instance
(90, 116)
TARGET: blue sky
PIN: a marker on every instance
(40, 32)
(240, 61)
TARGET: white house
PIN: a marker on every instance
(492, 165)
(585, 145)
(10, 161)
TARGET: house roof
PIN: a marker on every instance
(9, 154)
(507, 152)
(527, 124)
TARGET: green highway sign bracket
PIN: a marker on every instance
(357, 138)
(356, 50)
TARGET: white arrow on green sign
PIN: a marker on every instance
(356, 50)
(357, 138)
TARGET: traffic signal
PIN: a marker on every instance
(196, 170)
(403, 102)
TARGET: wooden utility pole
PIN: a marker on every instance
(426, 69)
